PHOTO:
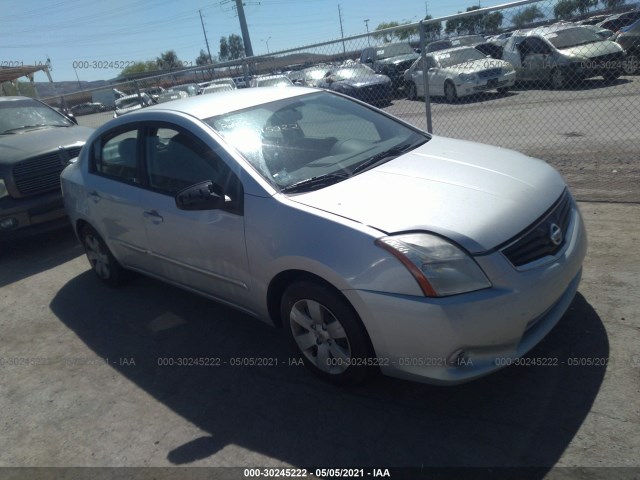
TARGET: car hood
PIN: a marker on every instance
(476, 195)
(590, 50)
(478, 65)
(27, 144)
(399, 59)
(365, 80)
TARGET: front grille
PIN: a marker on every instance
(492, 72)
(373, 93)
(536, 242)
(42, 173)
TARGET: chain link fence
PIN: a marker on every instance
(528, 76)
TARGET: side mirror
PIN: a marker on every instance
(201, 196)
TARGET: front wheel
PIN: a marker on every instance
(102, 261)
(630, 65)
(557, 79)
(328, 334)
(450, 92)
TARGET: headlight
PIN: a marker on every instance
(439, 267)
(3, 189)
(467, 77)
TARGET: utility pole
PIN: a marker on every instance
(426, 9)
(344, 49)
(205, 37)
(366, 22)
(245, 31)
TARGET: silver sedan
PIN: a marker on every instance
(374, 245)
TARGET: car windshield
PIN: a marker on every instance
(394, 50)
(572, 37)
(314, 140)
(354, 71)
(26, 113)
(456, 57)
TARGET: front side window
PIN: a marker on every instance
(116, 156)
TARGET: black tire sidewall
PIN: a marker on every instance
(116, 275)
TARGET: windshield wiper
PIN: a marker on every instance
(314, 182)
(25, 127)
(385, 156)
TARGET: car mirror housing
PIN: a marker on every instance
(201, 196)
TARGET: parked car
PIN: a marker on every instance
(620, 20)
(358, 81)
(458, 72)
(130, 103)
(240, 82)
(36, 143)
(391, 60)
(563, 55)
(170, 95)
(216, 88)
(486, 46)
(629, 40)
(602, 32)
(88, 108)
(220, 81)
(271, 81)
(191, 89)
(373, 244)
(154, 92)
(312, 75)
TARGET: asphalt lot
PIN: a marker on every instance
(589, 133)
(83, 385)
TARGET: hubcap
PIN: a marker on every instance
(320, 336)
(97, 257)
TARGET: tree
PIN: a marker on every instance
(387, 36)
(168, 61)
(236, 46)
(526, 16)
(565, 9)
(139, 67)
(584, 5)
(231, 48)
(203, 59)
(611, 4)
(474, 23)
(432, 30)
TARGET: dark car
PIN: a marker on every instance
(36, 143)
(629, 40)
(88, 108)
(392, 60)
(358, 81)
(616, 22)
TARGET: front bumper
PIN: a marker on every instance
(470, 88)
(33, 215)
(460, 338)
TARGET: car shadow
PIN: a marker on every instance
(521, 416)
(30, 256)
(475, 98)
(587, 84)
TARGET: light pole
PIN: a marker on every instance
(266, 43)
(366, 23)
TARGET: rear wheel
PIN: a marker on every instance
(100, 257)
(557, 79)
(450, 92)
(326, 332)
(611, 75)
(630, 65)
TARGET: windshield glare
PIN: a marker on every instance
(127, 102)
(353, 72)
(394, 50)
(20, 113)
(572, 37)
(457, 57)
(295, 139)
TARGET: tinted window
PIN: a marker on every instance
(117, 156)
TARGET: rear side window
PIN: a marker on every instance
(116, 156)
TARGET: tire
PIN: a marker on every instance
(630, 66)
(450, 92)
(326, 332)
(558, 79)
(412, 92)
(102, 261)
(611, 76)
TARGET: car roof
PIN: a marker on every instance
(205, 106)
(553, 28)
(452, 49)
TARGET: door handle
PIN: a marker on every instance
(153, 215)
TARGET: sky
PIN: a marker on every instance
(82, 33)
